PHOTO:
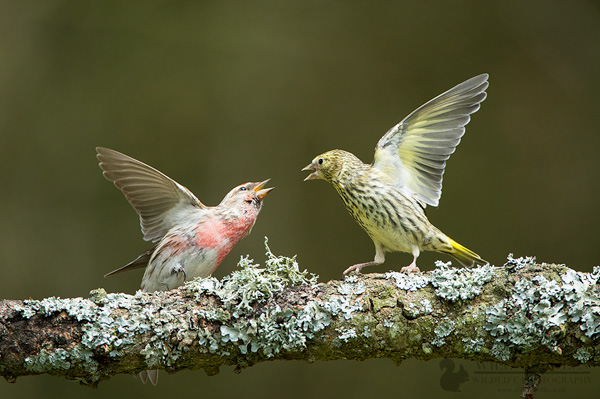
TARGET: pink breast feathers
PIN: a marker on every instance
(222, 235)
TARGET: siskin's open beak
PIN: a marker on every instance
(260, 192)
(314, 175)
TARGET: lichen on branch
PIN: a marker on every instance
(522, 314)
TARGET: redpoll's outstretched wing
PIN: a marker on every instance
(414, 152)
(156, 197)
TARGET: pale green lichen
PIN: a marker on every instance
(426, 306)
(312, 318)
(345, 334)
(279, 332)
(366, 332)
(81, 309)
(584, 355)
(459, 284)
(272, 331)
(443, 330)
(501, 351)
(251, 322)
(28, 309)
(416, 309)
(539, 308)
(60, 359)
(288, 269)
(584, 306)
(408, 282)
(275, 330)
(207, 341)
(388, 323)
(352, 288)
(519, 263)
(251, 284)
(473, 345)
(347, 303)
(336, 305)
(426, 348)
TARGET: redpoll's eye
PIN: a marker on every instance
(320, 161)
(243, 188)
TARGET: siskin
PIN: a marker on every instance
(388, 197)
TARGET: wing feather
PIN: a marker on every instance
(155, 197)
(414, 152)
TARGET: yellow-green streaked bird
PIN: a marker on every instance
(388, 197)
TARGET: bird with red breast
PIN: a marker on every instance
(191, 239)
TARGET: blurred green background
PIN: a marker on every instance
(217, 93)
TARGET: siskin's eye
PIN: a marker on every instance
(243, 188)
(320, 161)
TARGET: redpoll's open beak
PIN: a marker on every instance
(314, 175)
(260, 192)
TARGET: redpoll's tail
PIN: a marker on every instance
(137, 263)
(151, 375)
(464, 255)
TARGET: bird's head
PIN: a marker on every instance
(333, 166)
(247, 194)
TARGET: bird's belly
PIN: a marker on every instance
(171, 266)
(387, 216)
(394, 232)
(393, 239)
(201, 263)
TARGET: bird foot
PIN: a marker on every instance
(358, 267)
(179, 269)
(354, 268)
(412, 268)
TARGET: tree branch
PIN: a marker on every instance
(527, 315)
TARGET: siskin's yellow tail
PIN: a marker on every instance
(464, 255)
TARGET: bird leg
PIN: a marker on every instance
(379, 259)
(179, 269)
(358, 267)
(412, 268)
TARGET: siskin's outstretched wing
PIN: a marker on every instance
(414, 152)
(156, 198)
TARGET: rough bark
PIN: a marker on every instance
(523, 314)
